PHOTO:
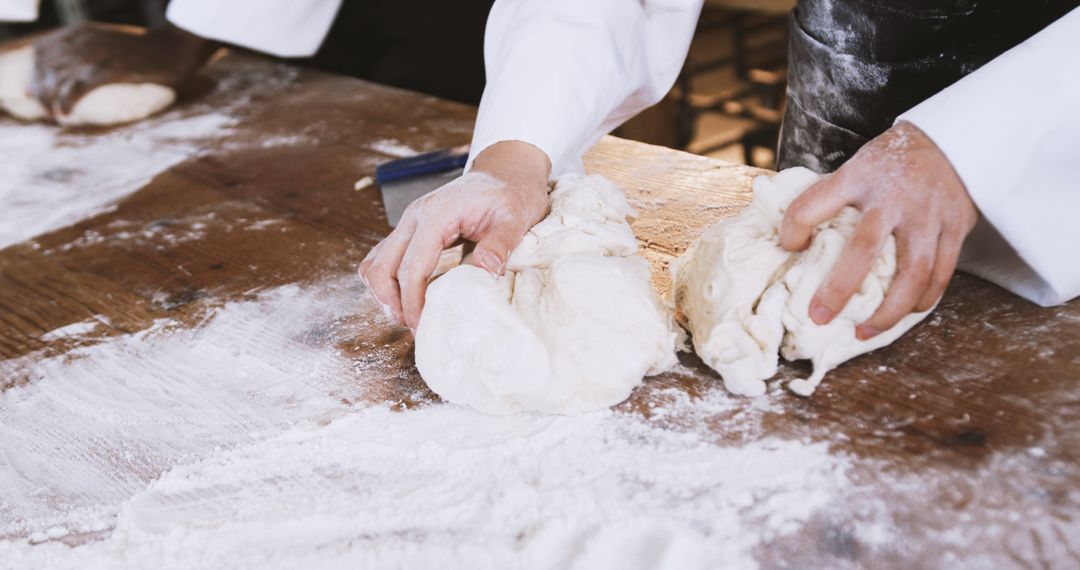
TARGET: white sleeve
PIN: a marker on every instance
(1012, 131)
(563, 73)
(18, 10)
(285, 28)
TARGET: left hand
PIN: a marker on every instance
(904, 186)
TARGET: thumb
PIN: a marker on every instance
(820, 203)
(493, 249)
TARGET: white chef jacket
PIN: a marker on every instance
(562, 73)
(18, 10)
(285, 28)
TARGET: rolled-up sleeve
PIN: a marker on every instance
(1012, 131)
(563, 73)
(18, 10)
(285, 28)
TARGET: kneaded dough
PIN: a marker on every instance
(745, 299)
(573, 326)
(112, 104)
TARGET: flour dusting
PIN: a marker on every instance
(393, 147)
(449, 487)
(49, 179)
(229, 445)
(95, 425)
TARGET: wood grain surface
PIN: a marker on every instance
(967, 426)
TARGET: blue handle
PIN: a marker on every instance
(422, 164)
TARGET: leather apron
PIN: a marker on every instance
(855, 65)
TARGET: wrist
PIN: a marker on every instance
(515, 162)
(945, 170)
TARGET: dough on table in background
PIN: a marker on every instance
(745, 299)
(573, 326)
(106, 105)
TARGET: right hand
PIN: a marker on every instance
(493, 206)
(72, 61)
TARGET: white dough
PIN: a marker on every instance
(573, 326)
(745, 299)
(107, 105)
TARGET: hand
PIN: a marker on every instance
(493, 205)
(904, 186)
(71, 62)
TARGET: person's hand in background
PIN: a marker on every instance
(904, 186)
(492, 206)
(71, 62)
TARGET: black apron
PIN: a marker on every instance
(855, 65)
(432, 46)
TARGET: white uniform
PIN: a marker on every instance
(562, 73)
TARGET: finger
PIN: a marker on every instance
(419, 262)
(948, 254)
(851, 268)
(821, 202)
(493, 250)
(915, 262)
(379, 270)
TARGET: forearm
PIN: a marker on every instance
(1011, 132)
(562, 73)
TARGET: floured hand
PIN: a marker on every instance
(904, 187)
(493, 206)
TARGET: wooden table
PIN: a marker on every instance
(765, 6)
(965, 432)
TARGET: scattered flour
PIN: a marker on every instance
(448, 487)
(50, 178)
(238, 454)
(393, 147)
(90, 429)
(46, 179)
(75, 329)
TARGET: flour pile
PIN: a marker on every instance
(112, 104)
(746, 300)
(573, 326)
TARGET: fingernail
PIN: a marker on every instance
(490, 262)
(820, 314)
(866, 332)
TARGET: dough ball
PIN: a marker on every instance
(112, 104)
(746, 300)
(573, 326)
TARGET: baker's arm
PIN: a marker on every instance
(1012, 132)
(563, 73)
(18, 10)
(285, 28)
